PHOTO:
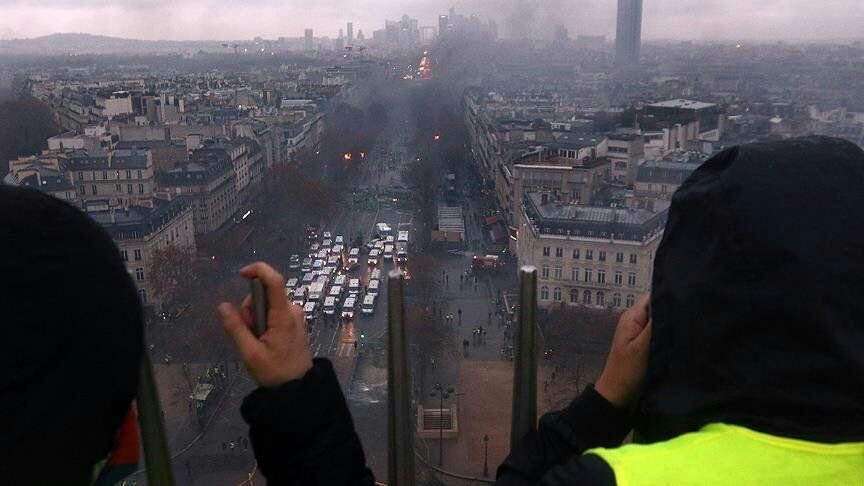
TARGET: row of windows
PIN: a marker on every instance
(588, 275)
(118, 189)
(589, 254)
(138, 175)
(587, 297)
(125, 255)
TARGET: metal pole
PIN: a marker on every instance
(159, 472)
(524, 418)
(399, 425)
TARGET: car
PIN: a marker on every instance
(333, 263)
(349, 306)
(389, 239)
(323, 254)
(379, 245)
(401, 253)
(318, 265)
(335, 291)
(310, 310)
(313, 249)
(368, 306)
(372, 288)
(306, 266)
(294, 263)
(388, 252)
(353, 257)
(402, 237)
(372, 243)
(308, 278)
(290, 286)
(383, 229)
(327, 235)
(339, 240)
(375, 274)
(337, 250)
(373, 257)
(354, 286)
(330, 305)
(340, 280)
(327, 243)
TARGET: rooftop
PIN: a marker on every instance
(682, 104)
(138, 221)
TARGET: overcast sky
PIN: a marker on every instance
(243, 19)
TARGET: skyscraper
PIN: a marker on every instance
(307, 40)
(350, 32)
(628, 38)
(443, 25)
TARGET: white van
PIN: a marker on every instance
(403, 237)
(318, 266)
(353, 257)
(340, 280)
(308, 278)
(340, 240)
(373, 257)
(330, 305)
(348, 307)
(401, 253)
(383, 229)
(335, 291)
(354, 286)
(368, 306)
(372, 288)
(306, 266)
(375, 274)
(388, 252)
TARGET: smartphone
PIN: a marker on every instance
(259, 306)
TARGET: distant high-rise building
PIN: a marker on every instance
(628, 38)
(360, 36)
(307, 40)
(443, 25)
(350, 32)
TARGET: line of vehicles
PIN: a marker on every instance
(323, 283)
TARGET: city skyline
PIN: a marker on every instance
(202, 19)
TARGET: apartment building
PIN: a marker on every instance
(206, 185)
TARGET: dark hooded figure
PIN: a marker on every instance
(755, 369)
(71, 337)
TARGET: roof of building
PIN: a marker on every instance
(673, 169)
(682, 104)
(194, 173)
(593, 221)
(138, 221)
(51, 181)
(128, 159)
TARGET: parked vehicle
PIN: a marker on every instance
(335, 291)
(368, 306)
(488, 262)
(375, 274)
(349, 306)
(354, 286)
(372, 243)
(402, 237)
(327, 235)
(388, 252)
(340, 280)
(318, 265)
(326, 243)
(308, 278)
(401, 252)
(373, 257)
(339, 240)
(316, 290)
(383, 229)
(310, 310)
(306, 266)
(353, 258)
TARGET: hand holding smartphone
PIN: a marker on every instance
(259, 306)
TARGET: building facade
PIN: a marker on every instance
(628, 37)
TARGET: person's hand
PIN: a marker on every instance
(628, 357)
(282, 353)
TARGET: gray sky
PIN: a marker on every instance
(244, 19)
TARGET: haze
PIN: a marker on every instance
(222, 19)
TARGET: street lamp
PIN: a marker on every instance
(442, 393)
(486, 456)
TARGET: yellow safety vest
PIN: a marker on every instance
(721, 454)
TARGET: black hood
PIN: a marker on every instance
(758, 296)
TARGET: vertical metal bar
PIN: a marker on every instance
(159, 472)
(400, 426)
(524, 418)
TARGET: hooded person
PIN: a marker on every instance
(747, 367)
(72, 345)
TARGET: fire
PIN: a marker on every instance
(347, 156)
(362, 155)
(436, 137)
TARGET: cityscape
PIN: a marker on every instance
(452, 148)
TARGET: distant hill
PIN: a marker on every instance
(76, 43)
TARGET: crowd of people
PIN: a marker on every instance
(743, 366)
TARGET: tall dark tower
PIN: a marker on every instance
(628, 38)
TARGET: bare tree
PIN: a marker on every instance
(174, 276)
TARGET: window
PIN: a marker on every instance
(559, 272)
(664, 189)
(139, 274)
(574, 274)
(118, 188)
(545, 251)
(556, 294)
(601, 298)
(619, 278)
(137, 255)
(82, 190)
(142, 296)
(616, 300)
(587, 275)
(619, 257)
(80, 176)
(139, 173)
(544, 293)
(559, 252)
(544, 271)
(575, 253)
(128, 188)
(633, 258)
(601, 276)
(140, 188)
(586, 297)
(574, 296)
(630, 300)
(124, 255)
(589, 254)
(631, 279)
(93, 188)
(104, 175)
(128, 174)
(618, 150)
(602, 256)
